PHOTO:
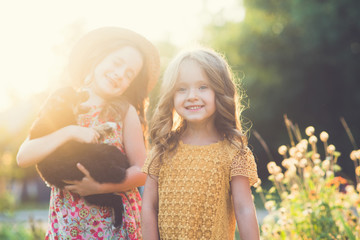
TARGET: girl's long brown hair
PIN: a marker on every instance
(165, 130)
(136, 94)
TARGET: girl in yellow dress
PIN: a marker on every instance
(199, 168)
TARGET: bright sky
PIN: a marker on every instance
(32, 31)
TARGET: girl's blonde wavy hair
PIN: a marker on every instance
(166, 126)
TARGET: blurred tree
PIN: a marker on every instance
(300, 58)
(166, 50)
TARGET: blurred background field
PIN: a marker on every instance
(299, 58)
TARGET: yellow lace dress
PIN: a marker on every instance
(194, 190)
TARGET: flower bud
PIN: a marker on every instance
(271, 166)
(277, 170)
(357, 170)
(324, 136)
(331, 149)
(259, 189)
(303, 162)
(291, 172)
(317, 170)
(286, 163)
(284, 194)
(350, 189)
(326, 164)
(317, 161)
(310, 131)
(291, 196)
(329, 173)
(315, 156)
(292, 151)
(353, 155)
(357, 154)
(307, 211)
(294, 188)
(313, 139)
(270, 205)
(282, 150)
(258, 183)
(279, 177)
(304, 142)
(307, 174)
(302, 146)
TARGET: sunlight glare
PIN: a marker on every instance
(37, 35)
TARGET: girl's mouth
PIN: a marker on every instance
(112, 81)
(196, 107)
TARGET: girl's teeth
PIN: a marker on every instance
(193, 108)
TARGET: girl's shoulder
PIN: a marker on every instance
(131, 113)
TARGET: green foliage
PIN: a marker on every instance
(308, 199)
(17, 231)
(299, 57)
(7, 203)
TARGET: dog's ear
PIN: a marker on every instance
(82, 97)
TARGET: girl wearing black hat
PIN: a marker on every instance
(118, 68)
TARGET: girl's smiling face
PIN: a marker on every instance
(113, 75)
(194, 99)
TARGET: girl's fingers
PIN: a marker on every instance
(71, 182)
(96, 137)
(83, 170)
(70, 188)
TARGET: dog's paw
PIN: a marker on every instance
(106, 128)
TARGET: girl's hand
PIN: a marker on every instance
(84, 134)
(87, 186)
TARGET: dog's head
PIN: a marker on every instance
(65, 101)
(60, 110)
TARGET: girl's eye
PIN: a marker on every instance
(181, 89)
(203, 87)
(118, 62)
(129, 75)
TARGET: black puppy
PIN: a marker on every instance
(104, 162)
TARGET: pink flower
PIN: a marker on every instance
(99, 234)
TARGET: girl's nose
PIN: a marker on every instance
(119, 72)
(192, 95)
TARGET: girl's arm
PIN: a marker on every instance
(136, 153)
(149, 210)
(33, 151)
(244, 208)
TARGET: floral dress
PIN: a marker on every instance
(70, 217)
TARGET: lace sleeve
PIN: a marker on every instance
(151, 167)
(243, 163)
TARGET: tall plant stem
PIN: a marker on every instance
(288, 126)
(348, 132)
(264, 145)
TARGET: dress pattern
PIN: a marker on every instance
(194, 190)
(70, 217)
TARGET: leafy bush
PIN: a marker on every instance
(17, 231)
(308, 199)
(9, 229)
(7, 203)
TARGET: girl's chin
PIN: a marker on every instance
(109, 95)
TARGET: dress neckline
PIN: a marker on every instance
(211, 145)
